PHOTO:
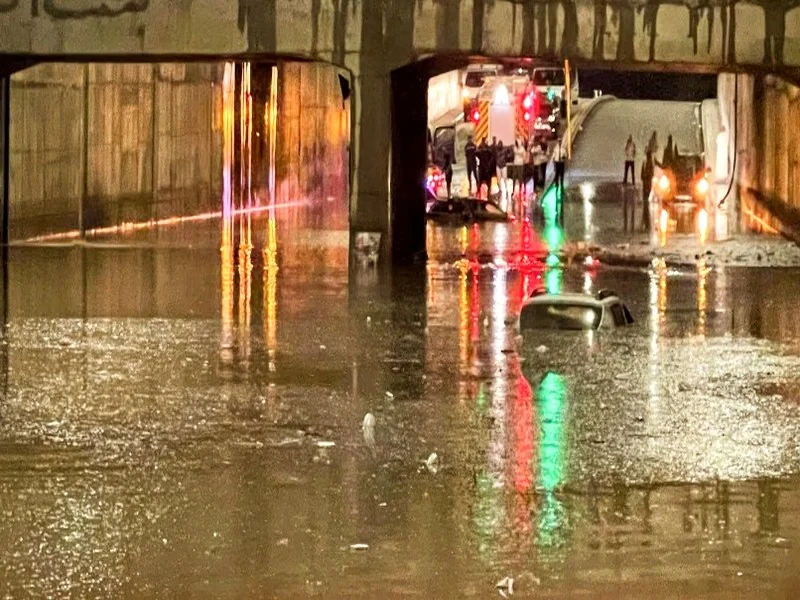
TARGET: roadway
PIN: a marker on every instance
(595, 172)
(598, 155)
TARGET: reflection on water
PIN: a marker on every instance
(167, 439)
(552, 404)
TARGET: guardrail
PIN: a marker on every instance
(577, 127)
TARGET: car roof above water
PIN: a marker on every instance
(572, 298)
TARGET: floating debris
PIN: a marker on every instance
(359, 547)
(432, 463)
(506, 586)
(368, 429)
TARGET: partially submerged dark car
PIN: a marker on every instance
(461, 210)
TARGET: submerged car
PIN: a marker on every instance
(575, 312)
(459, 210)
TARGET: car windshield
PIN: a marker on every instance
(475, 79)
(561, 316)
(444, 143)
(548, 77)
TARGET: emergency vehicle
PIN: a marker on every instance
(506, 108)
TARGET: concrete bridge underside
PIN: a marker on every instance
(375, 42)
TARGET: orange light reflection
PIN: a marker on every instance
(463, 315)
(226, 292)
(130, 227)
(271, 293)
(702, 296)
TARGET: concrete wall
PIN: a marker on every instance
(444, 95)
(97, 145)
(767, 112)
(314, 135)
(122, 142)
(341, 31)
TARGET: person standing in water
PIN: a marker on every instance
(471, 156)
(630, 158)
(448, 174)
(648, 173)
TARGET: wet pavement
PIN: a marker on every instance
(185, 422)
(599, 148)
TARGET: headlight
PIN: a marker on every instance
(702, 187)
(663, 183)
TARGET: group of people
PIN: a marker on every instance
(513, 166)
(649, 166)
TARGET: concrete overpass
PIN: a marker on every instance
(390, 48)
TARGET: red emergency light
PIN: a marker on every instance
(527, 102)
(527, 116)
(476, 116)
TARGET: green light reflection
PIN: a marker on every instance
(488, 516)
(552, 397)
(554, 275)
(553, 232)
(552, 406)
(554, 238)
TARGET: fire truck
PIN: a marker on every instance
(506, 108)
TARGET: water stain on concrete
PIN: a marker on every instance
(8, 5)
(259, 18)
(75, 9)
(550, 28)
(448, 24)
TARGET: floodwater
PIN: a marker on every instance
(184, 422)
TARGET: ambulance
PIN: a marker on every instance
(506, 108)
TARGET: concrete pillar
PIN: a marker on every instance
(369, 160)
(408, 152)
(746, 115)
(388, 164)
(793, 146)
(5, 155)
(767, 125)
(781, 125)
(739, 115)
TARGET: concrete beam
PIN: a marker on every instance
(718, 34)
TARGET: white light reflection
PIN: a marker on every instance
(658, 298)
(500, 238)
(496, 452)
(500, 389)
(588, 282)
(587, 194)
(499, 308)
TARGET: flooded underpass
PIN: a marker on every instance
(180, 421)
(205, 394)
